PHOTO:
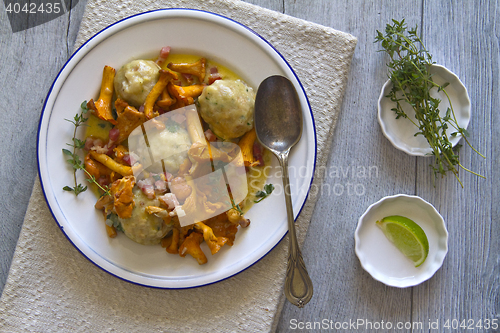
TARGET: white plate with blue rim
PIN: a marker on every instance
(401, 132)
(186, 31)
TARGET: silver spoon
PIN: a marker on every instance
(278, 123)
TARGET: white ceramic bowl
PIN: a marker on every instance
(380, 258)
(186, 31)
(401, 132)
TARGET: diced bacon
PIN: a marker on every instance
(257, 153)
(168, 176)
(147, 187)
(98, 145)
(114, 133)
(169, 200)
(111, 148)
(145, 182)
(161, 186)
(89, 143)
(214, 75)
(178, 118)
(100, 150)
(127, 159)
(98, 142)
(178, 211)
(188, 77)
(157, 124)
(103, 181)
(133, 158)
(211, 137)
(149, 191)
(164, 52)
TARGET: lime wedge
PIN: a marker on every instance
(407, 236)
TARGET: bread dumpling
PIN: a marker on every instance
(134, 81)
(228, 107)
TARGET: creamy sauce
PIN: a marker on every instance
(256, 179)
(224, 72)
(97, 128)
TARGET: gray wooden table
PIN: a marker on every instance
(461, 35)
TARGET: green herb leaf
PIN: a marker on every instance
(118, 227)
(172, 126)
(75, 161)
(412, 83)
(67, 152)
(84, 107)
(268, 189)
(79, 189)
(236, 207)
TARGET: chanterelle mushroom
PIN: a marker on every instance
(196, 68)
(128, 118)
(102, 107)
(121, 190)
(214, 243)
(191, 245)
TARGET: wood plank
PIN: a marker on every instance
(464, 38)
(343, 290)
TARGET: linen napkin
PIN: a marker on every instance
(52, 287)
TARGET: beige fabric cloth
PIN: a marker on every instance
(52, 287)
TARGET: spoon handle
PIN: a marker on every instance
(298, 284)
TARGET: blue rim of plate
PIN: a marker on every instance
(97, 35)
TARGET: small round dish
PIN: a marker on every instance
(401, 132)
(380, 258)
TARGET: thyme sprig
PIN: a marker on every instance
(409, 72)
(74, 159)
(261, 195)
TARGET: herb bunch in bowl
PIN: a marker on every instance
(409, 72)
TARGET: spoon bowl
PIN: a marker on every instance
(278, 124)
(278, 116)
